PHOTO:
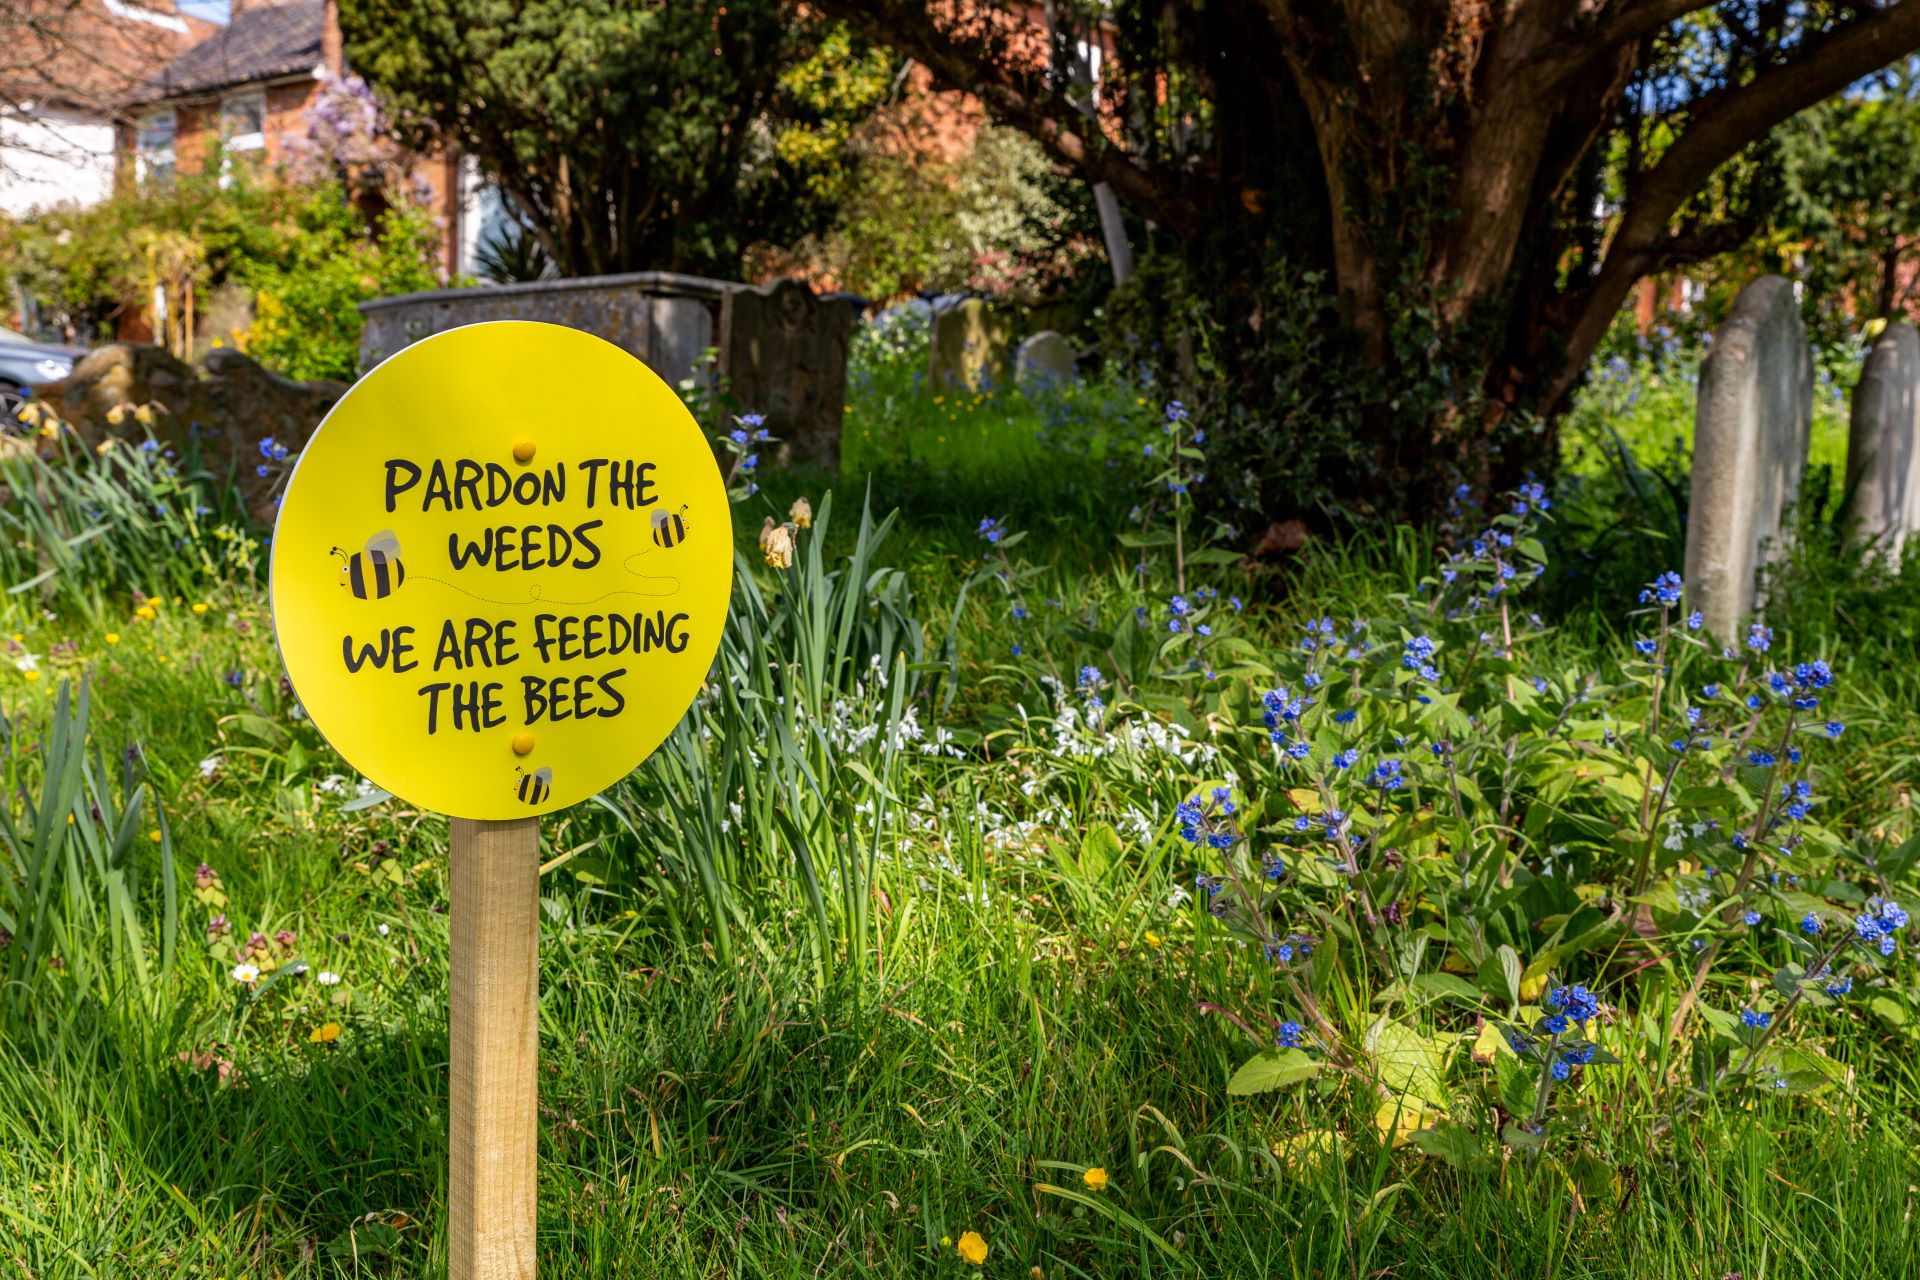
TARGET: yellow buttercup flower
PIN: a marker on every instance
(113, 637)
(199, 607)
(31, 676)
(1095, 1178)
(1152, 939)
(145, 613)
(154, 835)
(972, 1248)
(325, 1033)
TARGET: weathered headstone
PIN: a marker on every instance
(1883, 446)
(1042, 361)
(782, 350)
(664, 318)
(784, 354)
(1750, 436)
(970, 344)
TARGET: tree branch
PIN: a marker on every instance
(980, 63)
(1724, 122)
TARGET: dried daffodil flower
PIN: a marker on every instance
(802, 513)
(776, 544)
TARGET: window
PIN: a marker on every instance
(153, 153)
(243, 135)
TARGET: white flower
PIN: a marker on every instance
(209, 766)
(26, 662)
(246, 973)
(333, 785)
(383, 931)
(327, 978)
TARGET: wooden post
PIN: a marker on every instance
(495, 1024)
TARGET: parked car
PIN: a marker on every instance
(26, 365)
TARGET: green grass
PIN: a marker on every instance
(1029, 1001)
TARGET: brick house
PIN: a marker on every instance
(246, 90)
(66, 70)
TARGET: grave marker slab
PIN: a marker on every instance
(1751, 429)
(1883, 444)
(1043, 360)
(970, 344)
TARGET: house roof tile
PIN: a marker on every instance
(259, 44)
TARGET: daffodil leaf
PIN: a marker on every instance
(1274, 1069)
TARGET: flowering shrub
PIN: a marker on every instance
(1434, 805)
(1430, 802)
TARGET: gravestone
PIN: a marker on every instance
(1750, 435)
(783, 352)
(1042, 361)
(664, 318)
(1883, 446)
(970, 344)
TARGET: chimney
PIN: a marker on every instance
(333, 53)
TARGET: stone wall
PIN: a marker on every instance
(222, 408)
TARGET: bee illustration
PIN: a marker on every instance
(534, 786)
(669, 529)
(377, 569)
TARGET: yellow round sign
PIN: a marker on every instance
(495, 604)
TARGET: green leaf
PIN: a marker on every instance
(1715, 799)
(1889, 1010)
(1447, 986)
(1161, 538)
(1407, 1062)
(1274, 1069)
(1453, 1142)
(1100, 850)
(260, 729)
(1521, 1140)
